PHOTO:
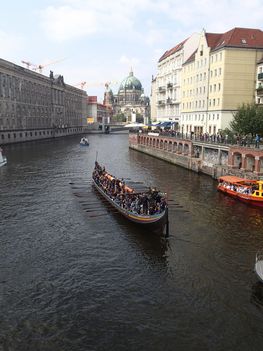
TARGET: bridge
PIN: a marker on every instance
(113, 127)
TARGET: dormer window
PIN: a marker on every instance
(243, 41)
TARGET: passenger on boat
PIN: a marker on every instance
(147, 203)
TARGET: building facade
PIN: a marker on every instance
(153, 99)
(34, 106)
(98, 112)
(168, 80)
(218, 78)
(259, 83)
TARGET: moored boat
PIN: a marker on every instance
(3, 159)
(84, 141)
(145, 208)
(245, 190)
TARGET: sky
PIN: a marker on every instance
(99, 41)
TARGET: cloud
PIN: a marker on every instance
(83, 19)
(129, 61)
(10, 44)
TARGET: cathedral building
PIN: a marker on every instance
(130, 101)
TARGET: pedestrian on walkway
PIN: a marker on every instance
(257, 141)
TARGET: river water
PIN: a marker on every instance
(75, 276)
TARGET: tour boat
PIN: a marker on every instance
(156, 220)
(259, 265)
(3, 159)
(84, 142)
(245, 190)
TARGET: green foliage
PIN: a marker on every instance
(248, 120)
(120, 117)
(139, 118)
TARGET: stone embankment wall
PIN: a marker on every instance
(208, 158)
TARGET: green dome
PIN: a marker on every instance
(130, 83)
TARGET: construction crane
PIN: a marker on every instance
(95, 84)
(107, 84)
(28, 64)
(40, 67)
(81, 84)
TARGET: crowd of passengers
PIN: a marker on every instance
(145, 203)
(240, 189)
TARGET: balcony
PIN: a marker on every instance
(162, 89)
(260, 76)
(260, 90)
(171, 101)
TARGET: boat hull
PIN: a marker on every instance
(154, 221)
(242, 197)
(3, 162)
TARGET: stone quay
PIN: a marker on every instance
(202, 157)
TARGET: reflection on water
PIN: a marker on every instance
(76, 276)
(257, 293)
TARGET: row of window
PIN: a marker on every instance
(31, 134)
(201, 90)
(203, 62)
(202, 76)
(211, 117)
(26, 134)
(201, 103)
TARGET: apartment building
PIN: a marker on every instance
(218, 78)
(167, 84)
(259, 82)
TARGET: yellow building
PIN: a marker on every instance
(218, 78)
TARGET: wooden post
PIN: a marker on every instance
(167, 224)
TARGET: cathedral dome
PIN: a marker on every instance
(130, 83)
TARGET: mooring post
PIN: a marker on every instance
(167, 224)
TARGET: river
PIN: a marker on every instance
(76, 276)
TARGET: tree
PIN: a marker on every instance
(248, 120)
(120, 117)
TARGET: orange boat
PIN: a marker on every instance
(245, 190)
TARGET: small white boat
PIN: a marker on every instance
(259, 265)
(3, 159)
(84, 141)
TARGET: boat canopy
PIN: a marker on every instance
(236, 180)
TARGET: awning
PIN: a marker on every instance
(167, 124)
